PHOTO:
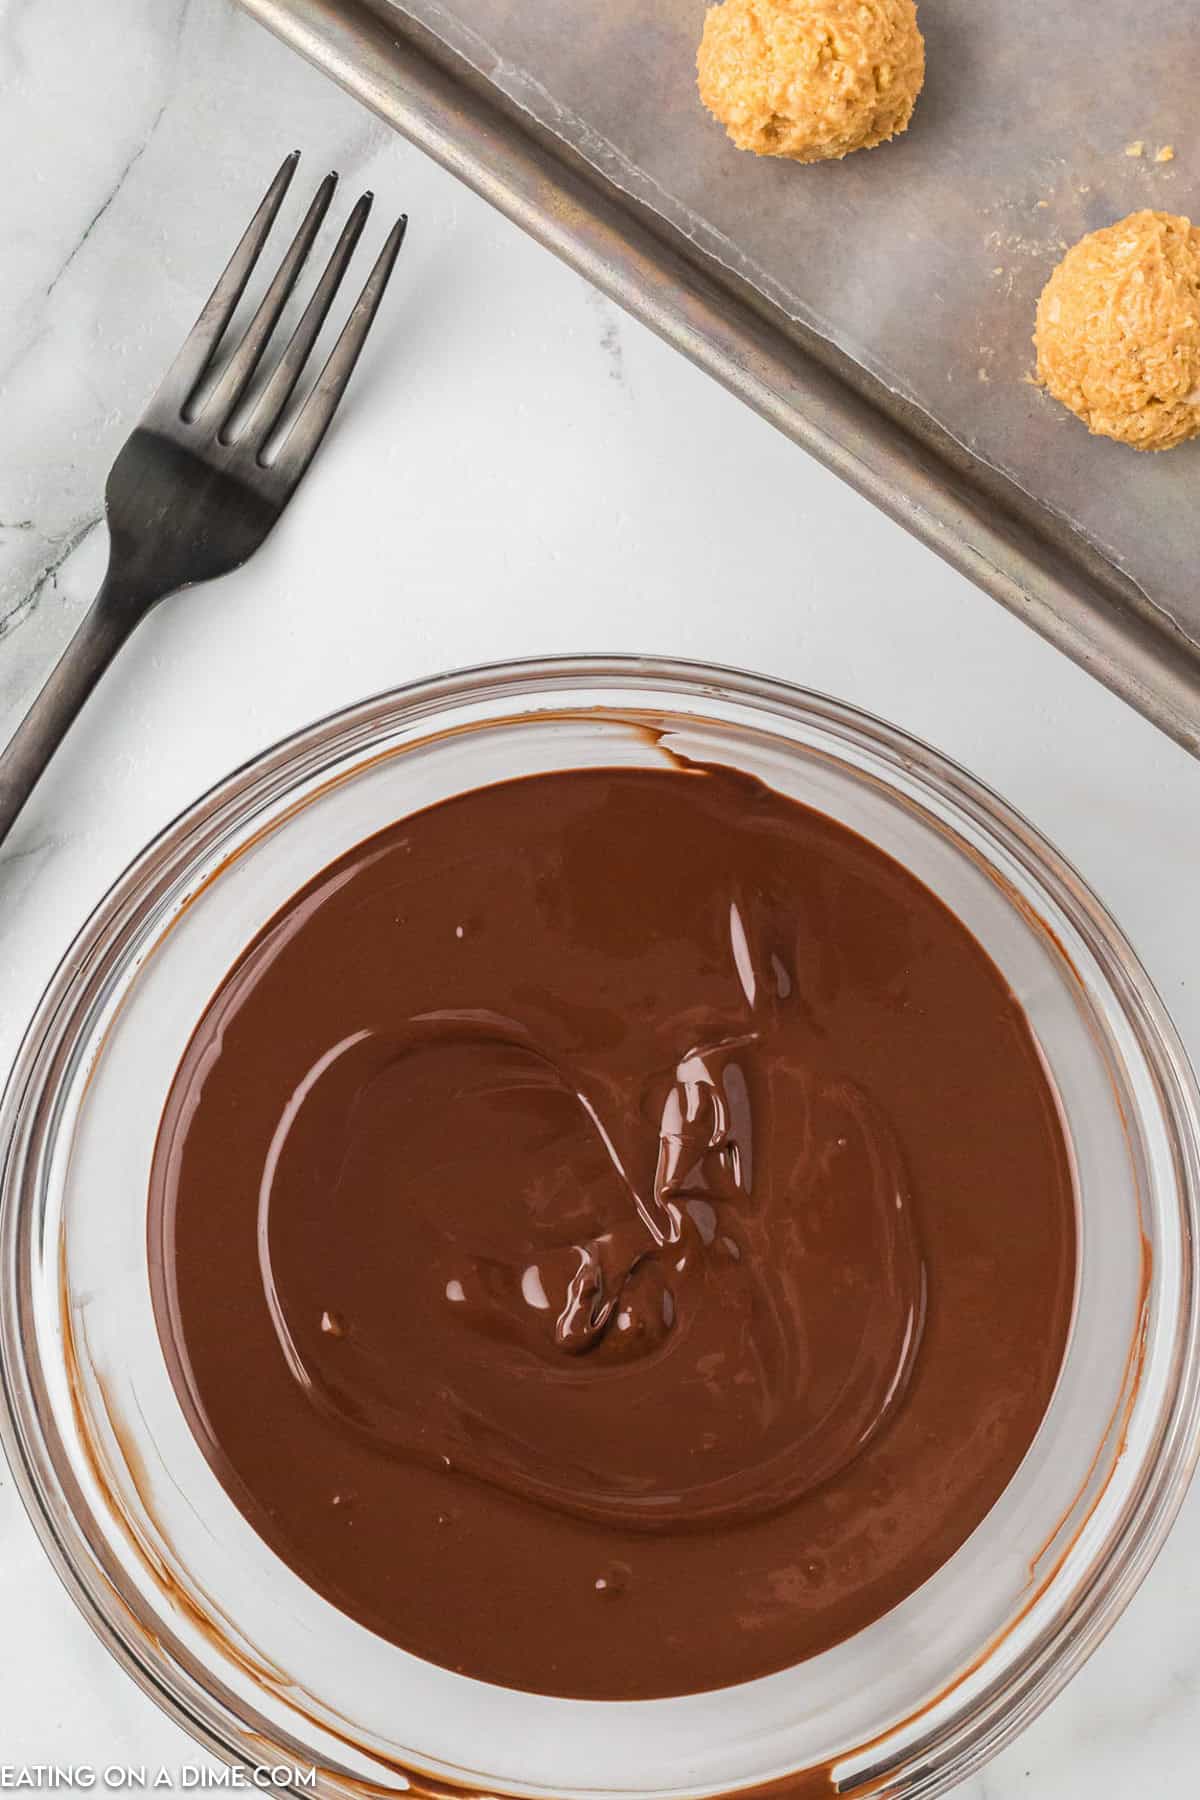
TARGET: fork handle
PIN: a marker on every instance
(106, 625)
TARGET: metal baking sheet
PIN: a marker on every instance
(878, 309)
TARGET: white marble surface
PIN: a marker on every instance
(522, 469)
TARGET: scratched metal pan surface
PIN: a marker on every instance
(879, 310)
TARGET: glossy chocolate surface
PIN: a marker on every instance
(612, 1232)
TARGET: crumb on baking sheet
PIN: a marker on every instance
(1137, 148)
(1166, 154)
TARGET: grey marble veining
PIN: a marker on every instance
(135, 187)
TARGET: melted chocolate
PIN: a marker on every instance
(612, 1233)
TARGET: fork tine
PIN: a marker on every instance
(239, 371)
(302, 441)
(278, 391)
(188, 368)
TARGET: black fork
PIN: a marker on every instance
(199, 484)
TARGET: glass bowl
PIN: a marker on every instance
(232, 1643)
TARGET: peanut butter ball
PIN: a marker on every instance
(811, 79)
(1118, 331)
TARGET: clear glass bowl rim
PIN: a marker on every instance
(968, 1737)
